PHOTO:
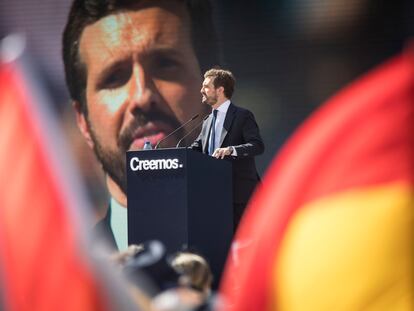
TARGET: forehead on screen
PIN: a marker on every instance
(148, 24)
(141, 31)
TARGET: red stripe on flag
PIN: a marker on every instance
(40, 263)
(363, 136)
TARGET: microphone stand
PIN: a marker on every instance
(176, 130)
(190, 132)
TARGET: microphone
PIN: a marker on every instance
(176, 130)
(190, 132)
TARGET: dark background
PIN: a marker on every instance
(288, 56)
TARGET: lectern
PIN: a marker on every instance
(182, 198)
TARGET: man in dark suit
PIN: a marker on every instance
(230, 132)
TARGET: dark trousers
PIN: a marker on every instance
(238, 210)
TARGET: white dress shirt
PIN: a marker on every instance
(119, 224)
(221, 116)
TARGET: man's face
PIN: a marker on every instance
(142, 81)
(208, 91)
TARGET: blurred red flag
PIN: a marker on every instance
(331, 226)
(41, 263)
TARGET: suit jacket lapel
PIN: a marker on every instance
(227, 122)
(206, 134)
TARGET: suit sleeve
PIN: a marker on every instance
(253, 144)
(197, 144)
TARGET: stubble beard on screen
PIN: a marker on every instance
(114, 161)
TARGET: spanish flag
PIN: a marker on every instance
(43, 265)
(332, 226)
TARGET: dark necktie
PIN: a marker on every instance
(212, 133)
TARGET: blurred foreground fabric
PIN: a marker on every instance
(332, 226)
(42, 266)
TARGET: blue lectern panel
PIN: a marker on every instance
(182, 198)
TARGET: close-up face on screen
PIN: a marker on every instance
(270, 138)
(142, 80)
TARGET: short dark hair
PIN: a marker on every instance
(86, 12)
(222, 78)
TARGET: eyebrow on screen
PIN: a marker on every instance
(164, 51)
(112, 67)
(150, 53)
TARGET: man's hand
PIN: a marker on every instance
(220, 153)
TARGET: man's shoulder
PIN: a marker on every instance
(239, 109)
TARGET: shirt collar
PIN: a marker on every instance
(224, 106)
(116, 204)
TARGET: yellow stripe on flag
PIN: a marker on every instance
(349, 251)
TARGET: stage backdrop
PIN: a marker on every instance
(288, 56)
